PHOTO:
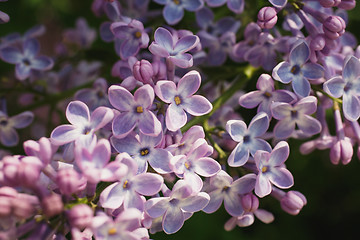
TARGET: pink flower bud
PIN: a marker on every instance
(329, 3)
(250, 202)
(143, 71)
(80, 216)
(347, 4)
(318, 43)
(267, 17)
(23, 209)
(334, 27)
(341, 150)
(29, 171)
(7, 195)
(52, 205)
(69, 181)
(293, 202)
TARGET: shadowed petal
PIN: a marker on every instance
(281, 177)
(123, 124)
(335, 86)
(159, 160)
(182, 60)
(238, 156)
(237, 6)
(11, 55)
(129, 48)
(175, 117)
(244, 184)
(284, 128)
(42, 63)
(195, 203)
(22, 71)
(251, 99)
(216, 198)
(21, 120)
(156, 207)
(312, 71)
(193, 5)
(173, 13)
(299, 54)
(9, 137)
(77, 113)
(144, 96)
(278, 3)
(100, 117)
(197, 105)
(301, 86)
(232, 204)
(173, 220)
(351, 69)
(351, 107)
(309, 125)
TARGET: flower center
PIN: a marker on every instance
(295, 69)
(87, 130)
(264, 169)
(26, 62)
(267, 94)
(137, 34)
(125, 185)
(177, 100)
(294, 114)
(187, 165)
(112, 231)
(246, 139)
(3, 122)
(144, 151)
(177, 2)
(139, 109)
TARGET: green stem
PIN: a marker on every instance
(239, 82)
(222, 154)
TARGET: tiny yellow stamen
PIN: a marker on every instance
(125, 184)
(139, 109)
(144, 152)
(264, 169)
(177, 100)
(177, 2)
(267, 94)
(187, 165)
(112, 231)
(138, 34)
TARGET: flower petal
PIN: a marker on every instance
(147, 183)
(281, 177)
(301, 86)
(335, 86)
(189, 83)
(351, 107)
(206, 167)
(299, 54)
(237, 129)
(173, 220)
(284, 128)
(175, 117)
(164, 38)
(22, 120)
(173, 13)
(238, 156)
(121, 98)
(77, 113)
(262, 186)
(123, 124)
(309, 125)
(197, 105)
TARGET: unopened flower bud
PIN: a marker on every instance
(80, 216)
(267, 17)
(23, 209)
(69, 181)
(329, 3)
(29, 171)
(7, 195)
(347, 4)
(342, 151)
(250, 202)
(52, 205)
(143, 71)
(334, 27)
(318, 43)
(293, 202)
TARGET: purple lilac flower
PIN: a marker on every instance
(248, 219)
(181, 99)
(96, 96)
(83, 125)
(26, 60)
(124, 69)
(144, 149)
(348, 87)
(248, 139)
(135, 111)
(82, 35)
(237, 6)
(182, 199)
(298, 114)
(186, 142)
(251, 35)
(272, 169)
(224, 188)
(298, 70)
(196, 162)
(126, 226)
(174, 9)
(133, 35)
(174, 49)
(129, 189)
(8, 134)
(265, 96)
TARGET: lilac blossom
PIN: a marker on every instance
(8, 134)
(237, 6)
(248, 139)
(186, 142)
(165, 45)
(133, 36)
(135, 111)
(298, 70)
(265, 96)
(224, 188)
(129, 189)
(196, 162)
(181, 99)
(182, 199)
(272, 169)
(144, 149)
(174, 9)
(27, 59)
(299, 114)
(83, 125)
(82, 35)
(124, 69)
(347, 87)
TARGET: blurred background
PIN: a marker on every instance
(332, 192)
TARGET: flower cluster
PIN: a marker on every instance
(169, 134)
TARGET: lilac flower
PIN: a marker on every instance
(272, 169)
(348, 87)
(133, 35)
(196, 162)
(186, 142)
(129, 190)
(83, 125)
(181, 99)
(144, 149)
(174, 9)
(265, 95)
(223, 188)
(182, 199)
(82, 35)
(298, 70)
(26, 60)
(126, 226)
(135, 111)
(8, 134)
(248, 138)
(96, 96)
(237, 6)
(289, 116)
(278, 3)
(173, 49)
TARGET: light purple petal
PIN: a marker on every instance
(301, 86)
(164, 38)
(284, 128)
(278, 3)
(264, 216)
(215, 3)
(129, 48)
(160, 160)
(9, 137)
(251, 99)
(156, 207)
(22, 120)
(351, 107)
(121, 98)
(309, 125)
(147, 183)
(11, 55)
(237, 6)
(193, 5)
(312, 71)
(149, 124)
(259, 144)
(77, 113)
(279, 154)
(128, 144)
(101, 153)
(262, 186)
(195, 203)
(173, 220)
(123, 124)
(281, 110)
(100, 117)
(238, 156)
(197, 105)
(22, 71)
(205, 16)
(244, 184)
(237, 129)
(133, 200)
(166, 91)
(113, 196)
(186, 43)
(259, 124)
(182, 60)
(334, 87)
(307, 105)
(31, 47)
(4, 18)
(64, 134)
(216, 198)
(173, 13)
(159, 50)
(144, 96)
(206, 167)
(282, 72)
(232, 204)
(281, 177)
(189, 83)
(42, 63)
(299, 54)
(351, 69)
(175, 117)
